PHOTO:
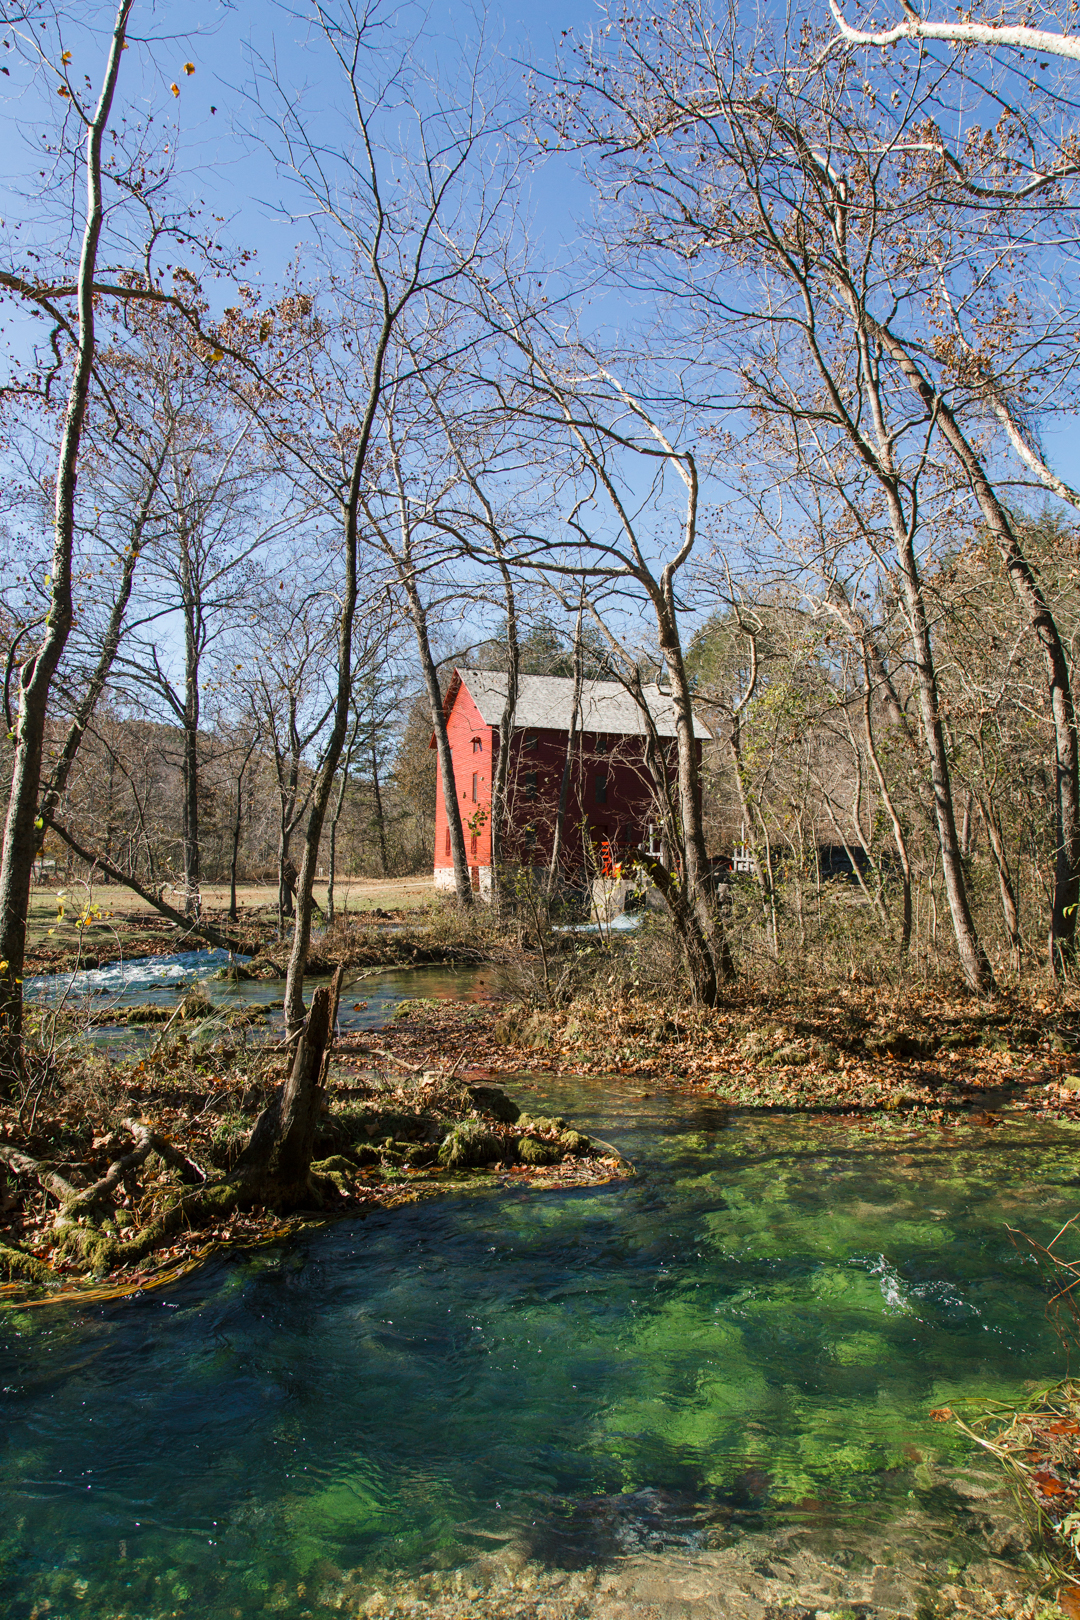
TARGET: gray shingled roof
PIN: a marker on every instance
(545, 701)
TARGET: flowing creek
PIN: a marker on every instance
(703, 1391)
(366, 1003)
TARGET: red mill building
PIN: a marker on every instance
(609, 803)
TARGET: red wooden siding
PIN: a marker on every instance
(609, 802)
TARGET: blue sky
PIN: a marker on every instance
(221, 162)
(217, 156)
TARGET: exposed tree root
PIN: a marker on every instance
(274, 1170)
(153, 1194)
(102, 1250)
(18, 1266)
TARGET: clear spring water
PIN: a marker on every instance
(367, 999)
(749, 1332)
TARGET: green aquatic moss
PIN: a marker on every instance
(468, 1144)
(532, 1151)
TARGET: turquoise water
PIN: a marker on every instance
(747, 1334)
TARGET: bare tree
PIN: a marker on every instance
(391, 249)
(969, 31)
(610, 435)
(774, 180)
(37, 672)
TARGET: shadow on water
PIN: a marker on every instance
(738, 1347)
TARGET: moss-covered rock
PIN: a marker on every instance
(552, 1123)
(422, 1154)
(531, 1150)
(575, 1142)
(469, 1144)
(493, 1101)
(336, 1165)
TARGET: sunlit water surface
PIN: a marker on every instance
(750, 1332)
(369, 996)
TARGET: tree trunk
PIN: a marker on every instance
(84, 709)
(568, 762)
(191, 925)
(21, 839)
(324, 778)
(334, 819)
(501, 773)
(275, 1166)
(380, 815)
(1059, 684)
(973, 960)
(190, 772)
(899, 838)
(735, 748)
(1009, 908)
(237, 822)
(697, 878)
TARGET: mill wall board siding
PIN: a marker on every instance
(599, 821)
(464, 724)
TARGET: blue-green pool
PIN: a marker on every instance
(747, 1335)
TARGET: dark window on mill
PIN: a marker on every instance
(530, 784)
(475, 780)
(478, 745)
(601, 790)
(530, 739)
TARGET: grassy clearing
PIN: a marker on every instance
(83, 928)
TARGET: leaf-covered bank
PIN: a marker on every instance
(846, 1047)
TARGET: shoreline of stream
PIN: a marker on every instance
(782, 1369)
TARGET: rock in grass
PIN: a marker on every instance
(469, 1144)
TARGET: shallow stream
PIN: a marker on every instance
(737, 1347)
(368, 999)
